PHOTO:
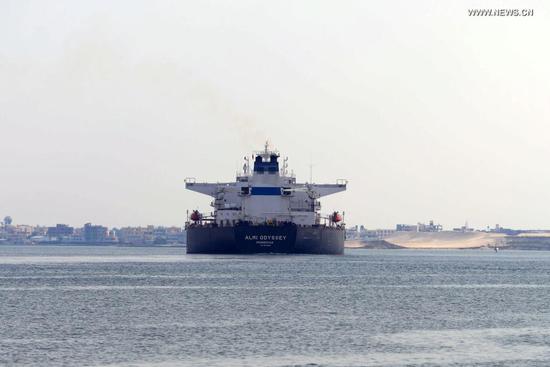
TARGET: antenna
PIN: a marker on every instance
(285, 167)
(246, 166)
(310, 170)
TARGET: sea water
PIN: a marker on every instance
(123, 306)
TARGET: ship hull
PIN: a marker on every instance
(286, 239)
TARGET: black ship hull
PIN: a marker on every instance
(248, 239)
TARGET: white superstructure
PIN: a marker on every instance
(265, 194)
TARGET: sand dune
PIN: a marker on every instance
(445, 239)
(439, 240)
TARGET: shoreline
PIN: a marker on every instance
(454, 240)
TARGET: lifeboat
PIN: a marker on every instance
(196, 216)
(336, 217)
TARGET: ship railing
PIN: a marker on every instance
(252, 224)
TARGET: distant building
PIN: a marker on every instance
(95, 234)
(352, 233)
(419, 227)
(150, 235)
(135, 235)
(18, 234)
(406, 228)
(60, 231)
(364, 234)
(507, 231)
(464, 228)
(175, 235)
(39, 231)
(430, 227)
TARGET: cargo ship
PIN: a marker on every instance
(265, 211)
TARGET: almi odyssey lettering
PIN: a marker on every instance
(265, 237)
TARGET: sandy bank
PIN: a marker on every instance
(374, 244)
(445, 239)
(438, 240)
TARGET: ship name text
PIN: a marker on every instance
(265, 237)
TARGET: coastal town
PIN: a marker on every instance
(89, 234)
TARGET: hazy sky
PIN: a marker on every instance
(106, 107)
